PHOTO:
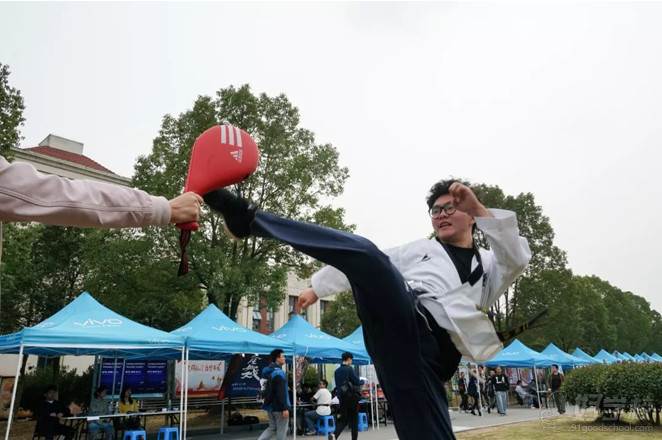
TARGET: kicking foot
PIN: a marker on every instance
(237, 212)
(331, 436)
(508, 335)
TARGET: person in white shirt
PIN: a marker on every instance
(422, 305)
(322, 399)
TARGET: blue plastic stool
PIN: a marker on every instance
(168, 433)
(135, 435)
(326, 425)
(363, 422)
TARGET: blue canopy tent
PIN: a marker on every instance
(579, 353)
(639, 358)
(562, 358)
(311, 342)
(656, 357)
(356, 339)
(86, 327)
(213, 335)
(646, 357)
(629, 356)
(519, 355)
(606, 358)
(621, 357)
(516, 354)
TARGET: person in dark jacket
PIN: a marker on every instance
(501, 388)
(348, 387)
(555, 382)
(49, 416)
(462, 389)
(473, 390)
(277, 402)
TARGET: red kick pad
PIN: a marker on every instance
(221, 156)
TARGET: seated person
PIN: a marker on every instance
(322, 399)
(542, 390)
(99, 407)
(127, 406)
(523, 397)
(49, 417)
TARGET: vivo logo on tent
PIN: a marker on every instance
(313, 336)
(92, 323)
(223, 328)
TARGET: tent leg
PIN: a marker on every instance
(223, 416)
(372, 400)
(186, 399)
(181, 398)
(535, 373)
(13, 393)
(294, 395)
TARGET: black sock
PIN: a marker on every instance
(237, 212)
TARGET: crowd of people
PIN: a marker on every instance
(489, 389)
(343, 402)
(52, 415)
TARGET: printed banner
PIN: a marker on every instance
(204, 378)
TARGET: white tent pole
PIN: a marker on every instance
(535, 373)
(372, 401)
(13, 393)
(377, 404)
(114, 375)
(186, 397)
(294, 394)
(181, 396)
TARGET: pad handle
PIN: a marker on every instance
(190, 226)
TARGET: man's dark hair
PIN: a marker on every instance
(275, 354)
(51, 388)
(555, 366)
(441, 189)
(326, 384)
(347, 355)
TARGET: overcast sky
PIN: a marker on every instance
(564, 101)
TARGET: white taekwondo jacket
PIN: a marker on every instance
(459, 308)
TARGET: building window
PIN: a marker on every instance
(292, 303)
(270, 320)
(257, 318)
(323, 307)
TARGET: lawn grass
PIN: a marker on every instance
(564, 428)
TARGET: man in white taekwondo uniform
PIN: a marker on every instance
(422, 305)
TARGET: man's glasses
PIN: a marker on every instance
(447, 209)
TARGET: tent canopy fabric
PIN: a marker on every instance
(356, 339)
(606, 358)
(579, 353)
(628, 356)
(656, 357)
(86, 327)
(313, 343)
(519, 355)
(561, 357)
(213, 335)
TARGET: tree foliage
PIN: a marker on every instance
(11, 113)
(296, 178)
(340, 318)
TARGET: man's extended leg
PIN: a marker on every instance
(391, 326)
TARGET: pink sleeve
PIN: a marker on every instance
(28, 195)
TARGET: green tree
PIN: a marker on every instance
(518, 303)
(11, 113)
(340, 318)
(297, 177)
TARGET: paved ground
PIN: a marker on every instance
(461, 422)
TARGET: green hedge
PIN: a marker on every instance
(620, 387)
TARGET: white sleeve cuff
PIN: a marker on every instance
(503, 220)
(160, 211)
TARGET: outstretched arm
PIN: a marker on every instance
(28, 195)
